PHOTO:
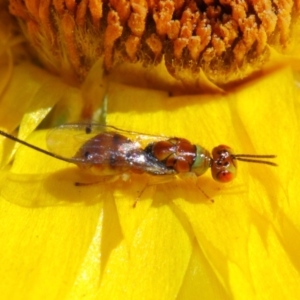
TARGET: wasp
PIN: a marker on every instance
(106, 150)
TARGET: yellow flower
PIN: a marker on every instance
(59, 240)
(71, 242)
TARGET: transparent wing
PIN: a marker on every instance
(100, 144)
(66, 140)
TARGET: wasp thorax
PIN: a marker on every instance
(223, 165)
(202, 161)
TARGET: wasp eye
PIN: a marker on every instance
(224, 176)
(223, 166)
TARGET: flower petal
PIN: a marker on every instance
(41, 249)
(147, 260)
(251, 226)
(39, 95)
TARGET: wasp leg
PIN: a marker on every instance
(85, 183)
(153, 181)
(104, 179)
(140, 195)
(206, 196)
(193, 177)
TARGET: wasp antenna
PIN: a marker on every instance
(11, 137)
(255, 155)
(257, 161)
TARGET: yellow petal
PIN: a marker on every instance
(148, 259)
(42, 250)
(175, 243)
(27, 105)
